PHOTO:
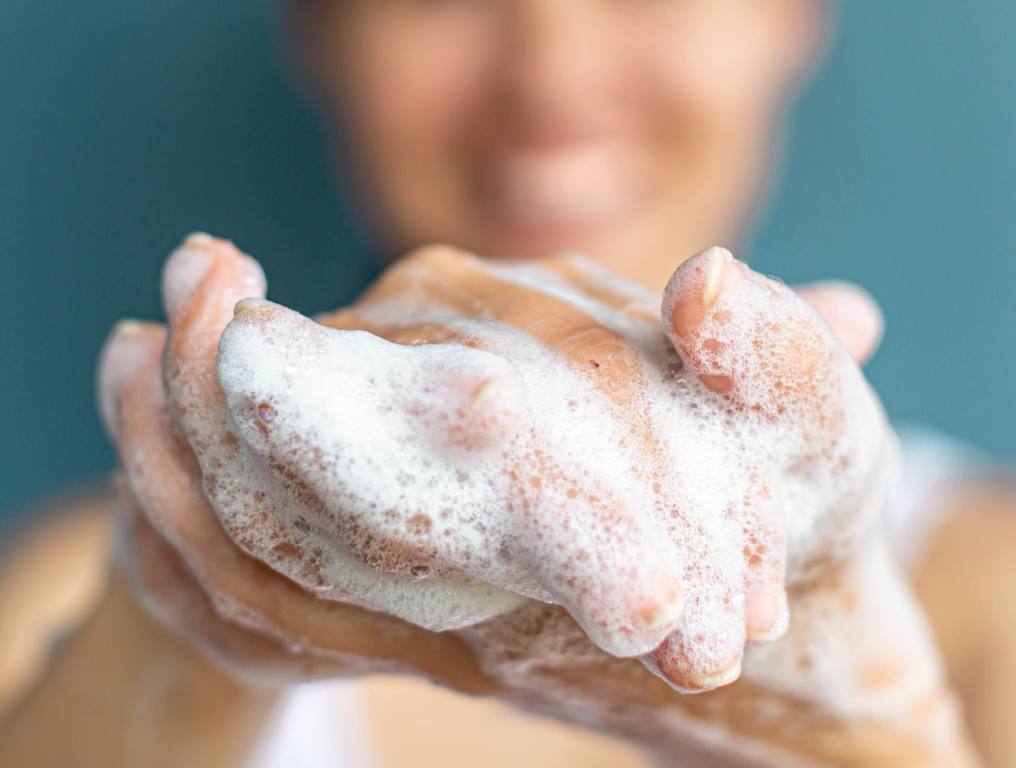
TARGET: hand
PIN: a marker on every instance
(626, 609)
(179, 426)
(183, 563)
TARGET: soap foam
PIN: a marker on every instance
(472, 476)
(448, 483)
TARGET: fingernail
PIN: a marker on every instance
(722, 273)
(775, 631)
(661, 613)
(128, 327)
(204, 241)
(200, 240)
(716, 262)
(123, 355)
(768, 615)
(186, 269)
(717, 680)
(250, 305)
(486, 391)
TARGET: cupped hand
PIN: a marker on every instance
(470, 435)
(193, 576)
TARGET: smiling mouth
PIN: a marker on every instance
(556, 192)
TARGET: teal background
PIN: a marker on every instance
(125, 124)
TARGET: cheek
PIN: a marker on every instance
(707, 101)
(726, 65)
(411, 85)
(408, 92)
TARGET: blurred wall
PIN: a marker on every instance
(901, 176)
(124, 125)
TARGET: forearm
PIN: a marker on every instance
(124, 691)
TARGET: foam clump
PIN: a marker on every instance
(576, 453)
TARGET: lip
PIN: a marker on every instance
(557, 191)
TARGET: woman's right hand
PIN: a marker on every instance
(180, 560)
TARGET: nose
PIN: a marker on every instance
(555, 64)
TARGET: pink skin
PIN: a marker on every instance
(707, 287)
(163, 484)
(211, 276)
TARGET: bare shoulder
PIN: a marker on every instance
(976, 534)
(965, 575)
(965, 582)
(53, 566)
(981, 513)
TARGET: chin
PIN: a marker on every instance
(502, 240)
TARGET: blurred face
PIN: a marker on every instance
(636, 131)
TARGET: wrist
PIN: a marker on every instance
(123, 690)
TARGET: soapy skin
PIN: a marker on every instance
(738, 394)
(561, 444)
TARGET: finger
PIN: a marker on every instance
(171, 593)
(201, 283)
(290, 382)
(689, 301)
(129, 345)
(161, 474)
(464, 284)
(754, 341)
(158, 467)
(362, 445)
(706, 651)
(618, 580)
(462, 395)
(851, 313)
(624, 590)
(772, 357)
(767, 615)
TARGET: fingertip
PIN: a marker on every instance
(191, 265)
(258, 330)
(662, 610)
(626, 611)
(184, 271)
(704, 653)
(768, 616)
(688, 680)
(643, 631)
(714, 680)
(657, 614)
(717, 261)
(499, 396)
(131, 344)
(852, 314)
(274, 322)
(692, 296)
(251, 305)
(695, 287)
